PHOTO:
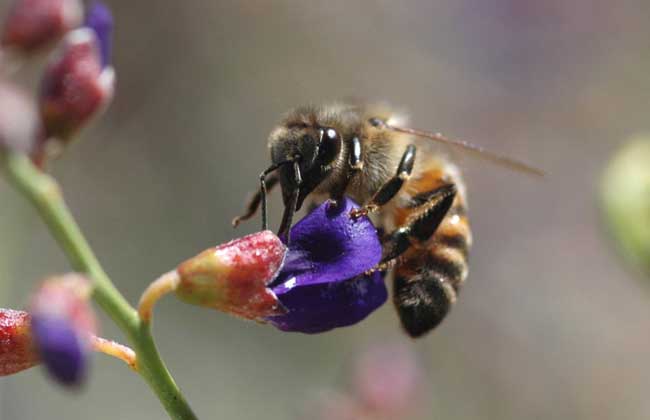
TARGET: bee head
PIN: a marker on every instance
(310, 152)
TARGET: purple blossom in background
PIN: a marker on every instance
(60, 348)
(322, 283)
(100, 20)
(62, 324)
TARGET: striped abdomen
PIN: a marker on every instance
(428, 275)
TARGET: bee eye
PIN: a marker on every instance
(330, 144)
(330, 134)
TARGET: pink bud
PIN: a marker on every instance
(76, 86)
(387, 379)
(32, 24)
(16, 352)
(19, 122)
(233, 277)
(66, 296)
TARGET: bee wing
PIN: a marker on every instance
(473, 149)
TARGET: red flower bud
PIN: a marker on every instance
(233, 277)
(16, 351)
(76, 86)
(32, 24)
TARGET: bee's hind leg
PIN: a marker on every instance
(423, 286)
(422, 224)
(392, 186)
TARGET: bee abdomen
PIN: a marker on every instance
(422, 300)
(430, 275)
(450, 244)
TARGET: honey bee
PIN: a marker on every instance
(414, 194)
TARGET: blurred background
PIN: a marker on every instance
(550, 324)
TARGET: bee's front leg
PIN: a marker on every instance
(355, 166)
(253, 203)
(392, 186)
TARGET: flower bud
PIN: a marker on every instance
(387, 379)
(33, 24)
(19, 123)
(625, 198)
(78, 82)
(62, 324)
(16, 352)
(233, 277)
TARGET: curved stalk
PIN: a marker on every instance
(44, 193)
(163, 285)
(117, 350)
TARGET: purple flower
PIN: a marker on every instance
(322, 284)
(61, 349)
(314, 284)
(62, 325)
(100, 20)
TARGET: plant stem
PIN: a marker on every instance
(44, 193)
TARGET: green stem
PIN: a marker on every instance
(44, 193)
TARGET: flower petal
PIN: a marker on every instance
(61, 349)
(328, 245)
(320, 307)
(100, 20)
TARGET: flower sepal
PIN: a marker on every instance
(16, 350)
(233, 277)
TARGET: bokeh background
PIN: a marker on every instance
(550, 324)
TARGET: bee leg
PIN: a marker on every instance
(356, 164)
(422, 224)
(267, 184)
(291, 207)
(423, 286)
(392, 186)
(356, 161)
